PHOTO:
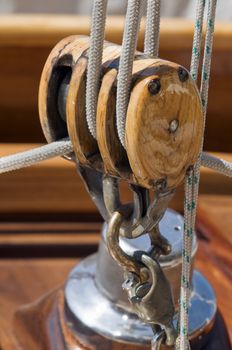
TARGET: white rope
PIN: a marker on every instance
(152, 33)
(220, 165)
(193, 178)
(197, 39)
(130, 37)
(95, 62)
(63, 147)
(34, 156)
(182, 341)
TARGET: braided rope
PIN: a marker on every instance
(193, 178)
(34, 156)
(152, 33)
(95, 62)
(197, 39)
(129, 43)
(220, 165)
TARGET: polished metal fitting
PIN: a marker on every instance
(95, 299)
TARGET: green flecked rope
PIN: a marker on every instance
(193, 176)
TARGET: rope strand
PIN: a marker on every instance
(197, 39)
(220, 165)
(34, 156)
(193, 178)
(130, 37)
(95, 62)
(152, 33)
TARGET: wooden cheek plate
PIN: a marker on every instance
(113, 154)
(63, 57)
(156, 152)
(85, 146)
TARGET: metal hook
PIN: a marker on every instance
(139, 217)
(104, 191)
(93, 181)
(112, 200)
(127, 262)
(144, 216)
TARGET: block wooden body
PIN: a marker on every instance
(154, 151)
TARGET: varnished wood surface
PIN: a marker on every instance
(214, 253)
(26, 42)
(63, 56)
(112, 152)
(156, 152)
(85, 146)
(22, 281)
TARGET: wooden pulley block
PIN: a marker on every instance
(164, 125)
(163, 128)
(62, 91)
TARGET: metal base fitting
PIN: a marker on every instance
(95, 298)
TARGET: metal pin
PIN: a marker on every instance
(173, 126)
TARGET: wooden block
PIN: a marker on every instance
(164, 125)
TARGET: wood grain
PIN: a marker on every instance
(113, 154)
(214, 252)
(85, 146)
(157, 153)
(65, 54)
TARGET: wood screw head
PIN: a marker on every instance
(154, 86)
(183, 74)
